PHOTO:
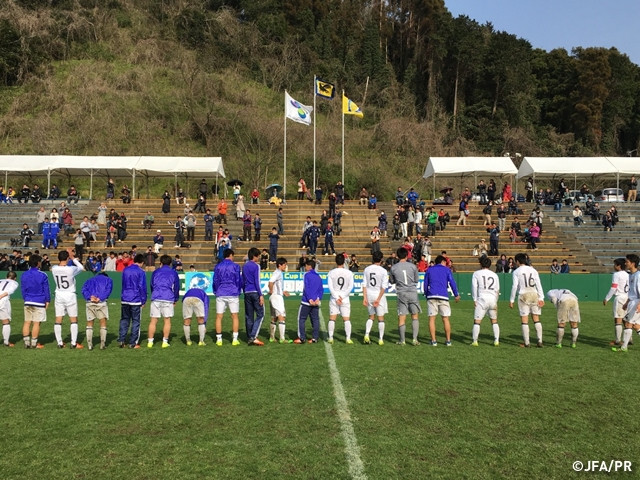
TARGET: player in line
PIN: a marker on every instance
(132, 300)
(165, 292)
(195, 302)
(406, 278)
(340, 281)
(7, 287)
(437, 281)
(312, 293)
(619, 288)
(566, 303)
(485, 291)
(276, 302)
(374, 286)
(36, 296)
(526, 282)
(96, 292)
(253, 298)
(66, 302)
(227, 283)
(632, 306)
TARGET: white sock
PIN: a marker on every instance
(347, 329)
(150, 340)
(559, 334)
(496, 332)
(34, 342)
(574, 335)
(74, 333)
(187, 332)
(103, 334)
(538, 327)
(26, 340)
(272, 330)
(89, 335)
(165, 340)
(475, 332)
(368, 326)
(626, 337)
(6, 332)
(332, 328)
(235, 335)
(618, 332)
(525, 333)
(57, 330)
(202, 329)
(380, 329)
(281, 328)
(218, 337)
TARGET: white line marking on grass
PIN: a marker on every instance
(352, 450)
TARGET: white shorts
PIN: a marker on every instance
(97, 311)
(161, 309)
(277, 306)
(437, 306)
(381, 310)
(486, 306)
(5, 312)
(528, 304)
(223, 302)
(66, 304)
(632, 317)
(35, 314)
(192, 306)
(618, 303)
(568, 311)
(343, 310)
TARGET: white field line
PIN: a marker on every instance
(352, 450)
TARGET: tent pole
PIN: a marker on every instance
(284, 170)
(175, 185)
(314, 133)
(217, 196)
(91, 184)
(133, 184)
(48, 182)
(147, 184)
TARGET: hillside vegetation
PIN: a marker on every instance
(206, 78)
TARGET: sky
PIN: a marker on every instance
(550, 24)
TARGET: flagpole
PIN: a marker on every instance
(314, 133)
(342, 137)
(284, 183)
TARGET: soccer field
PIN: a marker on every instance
(275, 411)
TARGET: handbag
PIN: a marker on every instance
(466, 212)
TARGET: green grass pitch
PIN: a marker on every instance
(270, 412)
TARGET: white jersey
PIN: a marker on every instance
(526, 281)
(560, 295)
(485, 283)
(340, 282)
(376, 278)
(634, 286)
(619, 285)
(65, 276)
(8, 286)
(278, 282)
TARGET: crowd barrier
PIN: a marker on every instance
(588, 287)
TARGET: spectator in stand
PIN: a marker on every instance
(431, 220)
(375, 240)
(273, 245)
(511, 265)
(491, 191)
(534, 233)
(255, 197)
(126, 194)
(203, 189)
(411, 221)
(72, 194)
(93, 230)
(54, 192)
(201, 204)
(150, 259)
(562, 187)
(280, 221)
(179, 227)
(399, 197)
(11, 193)
(633, 189)
(494, 238)
(501, 264)
(443, 219)
(25, 194)
(3, 196)
(222, 211)
(382, 223)
(339, 191)
(180, 197)
(40, 216)
(78, 243)
(240, 208)
(412, 197)
(158, 241)
(577, 216)
(373, 202)
(166, 202)
(528, 186)
(354, 264)
(36, 194)
(515, 230)
(502, 216)
(257, 227)
(396, 227)
(328, 239)
(246, 226)
(506, 192)
(26, 235)
(318, 195)
(148, 220)
(564, 267)
(540, 197)
(190, 222)
(110, 262)
(513, 206)
(613, 211)
(463, 211)
(487, 210)
(482, 192)
(554, 268)
(177, 264)
(302, 189)
(208, 220)
(585, 192)
(67, 221)
(364, 196)
(111, 189)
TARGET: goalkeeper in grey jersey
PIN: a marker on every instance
(405, 277)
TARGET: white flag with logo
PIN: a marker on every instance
(296, 111)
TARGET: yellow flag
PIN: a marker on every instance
(350, 108)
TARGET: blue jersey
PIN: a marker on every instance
(312, 289)
(134, 286)
(437, 279)
(35, 288)
(99, 286)
(202, 295)
(165, 285)
(251, 277)
(227, 280)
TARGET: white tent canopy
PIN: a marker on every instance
(460, 166)
(537, 167)
(109, 166)
(625, 165)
